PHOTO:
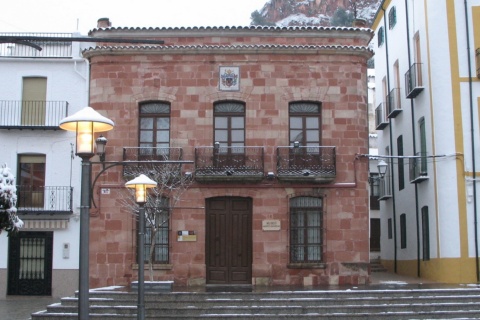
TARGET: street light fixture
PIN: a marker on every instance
(141, 184)
(382, 168)
(85, 123)
(101, 144)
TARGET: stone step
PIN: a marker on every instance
(273, 301)
(192, 311)
(376, 266)
(284, 294)
(438, 303)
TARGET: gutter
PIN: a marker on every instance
(391, 148)
(472, 137)
(414, 138)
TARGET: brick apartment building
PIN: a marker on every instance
(272, 120)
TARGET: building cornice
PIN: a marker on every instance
(228, 49)
(250, 31)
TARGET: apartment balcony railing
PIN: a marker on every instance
(418, 168)
(381, 121)
(393, 103)
(44, 200)
(50, 49)
(385, 188)
(149, 154)
(18, 114)
(306, 164)
(229, 164)
(413, 81)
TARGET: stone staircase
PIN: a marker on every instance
(401, 303)
(376, 266)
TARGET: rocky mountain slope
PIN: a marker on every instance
(314, 12)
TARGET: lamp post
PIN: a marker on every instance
(141, 184)
(382, 167)
(85, 123)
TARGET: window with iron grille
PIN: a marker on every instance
(154, 128)
(306, 230)
(392, 17)
(157, 231)
(380, 37)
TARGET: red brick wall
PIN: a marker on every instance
(269, 81)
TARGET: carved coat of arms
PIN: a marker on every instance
(229, 78)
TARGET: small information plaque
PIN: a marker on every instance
(271, 225)
(185, 235)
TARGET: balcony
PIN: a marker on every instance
(418, 168)
(381, 121)
(413, 81)
(45, 115)
(315, 164)
(44, 200)
(150, 154)
(385, 188)
(229, 164)
(393, 103)
(50, 49)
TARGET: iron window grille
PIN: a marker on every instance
(306, 230)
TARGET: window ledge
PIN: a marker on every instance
(156, 266)
(317, 265)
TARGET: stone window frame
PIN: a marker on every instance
(306, 262)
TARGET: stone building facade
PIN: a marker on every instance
(271, 122)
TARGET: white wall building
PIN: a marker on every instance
(37, 90)
(427, 120)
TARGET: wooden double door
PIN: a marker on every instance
(229, 240)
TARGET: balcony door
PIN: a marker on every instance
(34, 97)
(228, 240)
(31, 181)
(305, 130)
(229, 131)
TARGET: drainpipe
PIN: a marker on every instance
(391, 150)
(412, 105)
(472, 137)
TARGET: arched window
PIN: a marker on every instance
(229, 123)
(154, 128)
(305, 123)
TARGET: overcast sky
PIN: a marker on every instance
(82, 15)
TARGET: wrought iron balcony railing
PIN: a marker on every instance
(50, 49)
(44, 200)
(306, 163)
(381, 120)
(18, 114)
(229, 163)
(148, 154)
(418, 171)
(413, 81)
(393, 103)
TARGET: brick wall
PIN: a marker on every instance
(269, 80)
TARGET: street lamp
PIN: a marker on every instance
(382, 168)
(85, 123)
(141, 184)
